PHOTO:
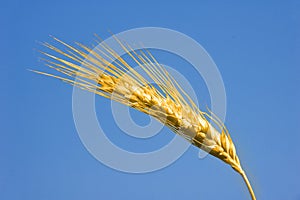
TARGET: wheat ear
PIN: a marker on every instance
(102, 71)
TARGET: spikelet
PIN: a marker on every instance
(103, 72)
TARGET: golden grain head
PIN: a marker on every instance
(102, 71)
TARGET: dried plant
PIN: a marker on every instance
(102, 71)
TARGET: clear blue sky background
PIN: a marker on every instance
(256, 47)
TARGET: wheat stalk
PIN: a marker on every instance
(103, 72)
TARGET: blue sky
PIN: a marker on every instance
(255, 46)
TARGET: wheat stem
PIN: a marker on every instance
(243, 174)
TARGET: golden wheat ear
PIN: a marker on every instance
(102, 71)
